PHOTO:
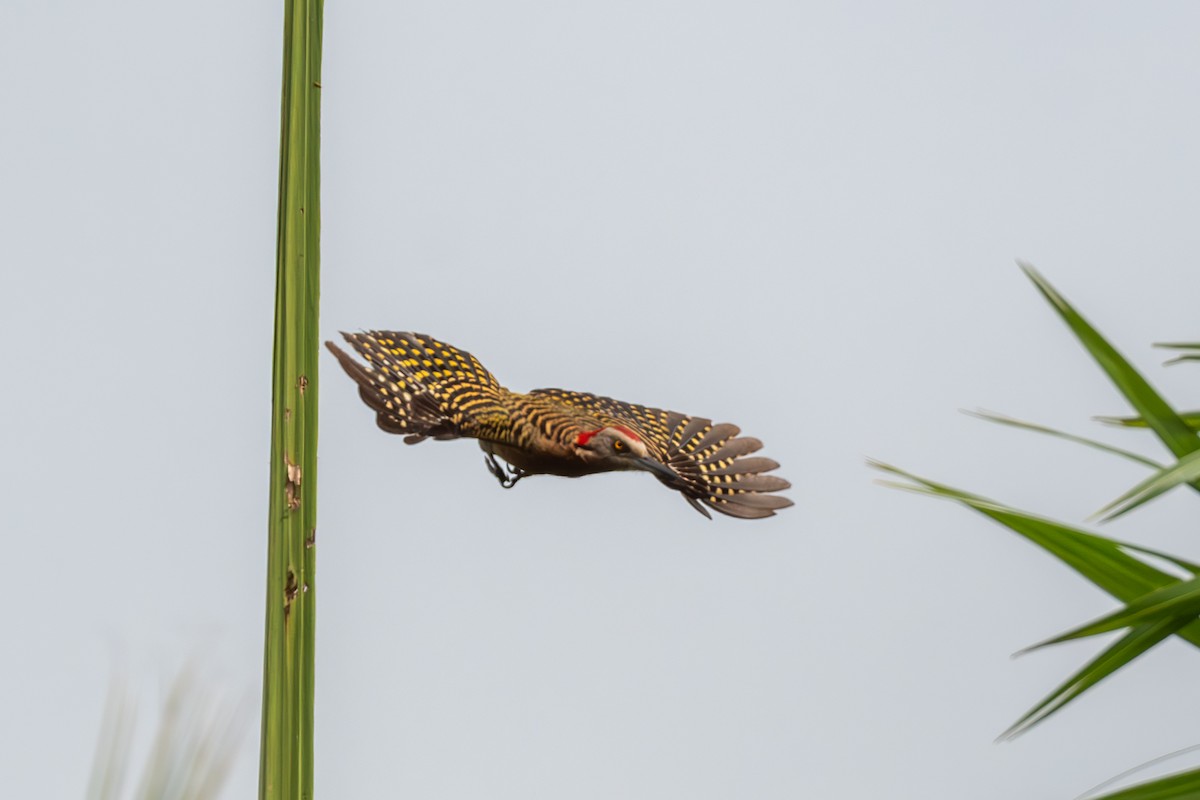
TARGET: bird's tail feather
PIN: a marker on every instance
(420, 387)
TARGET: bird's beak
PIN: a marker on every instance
(658, 469)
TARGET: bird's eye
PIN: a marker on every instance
(618, 445)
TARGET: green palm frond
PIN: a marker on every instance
(1156, 604)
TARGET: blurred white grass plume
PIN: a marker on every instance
(199, 731)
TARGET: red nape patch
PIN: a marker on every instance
(627, 432)
(585, 436)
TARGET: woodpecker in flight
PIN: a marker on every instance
(424, 389)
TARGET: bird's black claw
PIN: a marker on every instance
(489, 461)
(508, 477)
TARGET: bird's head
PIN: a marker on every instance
(617, 447)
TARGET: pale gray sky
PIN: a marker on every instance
(799, 217)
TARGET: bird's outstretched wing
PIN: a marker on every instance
(425, 388)
(709, 459)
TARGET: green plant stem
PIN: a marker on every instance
(286, 766)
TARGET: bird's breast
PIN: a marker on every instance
(543, 461)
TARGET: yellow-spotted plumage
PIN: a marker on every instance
(424, 388)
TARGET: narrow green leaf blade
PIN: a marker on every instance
(1190, 418)
(1178, 345)
(1177, 600)
(1162, 419)
(1123, 651)
(1180, 786)
(1003, 419)
(1185, 471)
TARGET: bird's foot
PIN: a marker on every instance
(508, 475)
